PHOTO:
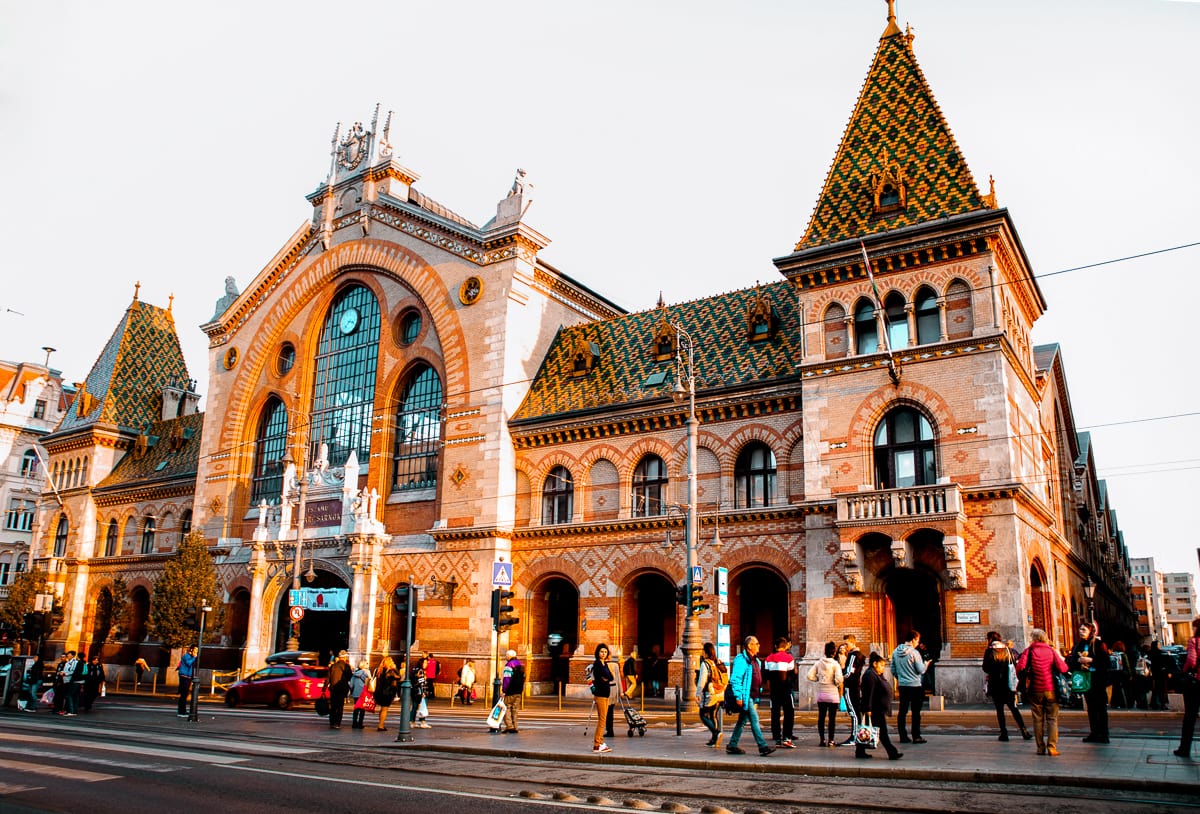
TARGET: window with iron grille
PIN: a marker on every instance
(418, 430)
(344, 388)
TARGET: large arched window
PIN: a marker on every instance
(110, 539)
(960, 322)
(904, 450)
(185, 523)
(344, 390)
(60, 536)
(269, 444)
(929, 323)
(866, 329)
(149, 527)
(418, 430)
(754, 476)
(649, 486)
(558, 493)
(897, 319)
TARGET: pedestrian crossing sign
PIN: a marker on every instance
(502, 574)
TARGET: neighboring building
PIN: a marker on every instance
(1144, 573)
(32, 401)
(450, 401)
(1143, 605)
(1179, 604)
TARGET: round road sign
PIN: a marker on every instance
(296, 612)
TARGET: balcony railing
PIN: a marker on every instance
(941, 500)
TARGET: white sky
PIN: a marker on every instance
(673, 145)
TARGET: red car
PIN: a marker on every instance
(280, 685)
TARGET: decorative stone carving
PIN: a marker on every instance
(900, 553)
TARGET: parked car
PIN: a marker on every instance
(294, 657)
(279, 685)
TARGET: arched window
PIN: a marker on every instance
(866, 329)
(893, 306)
(835, 332)
(754, 476)
(929, 324)
(60, 536)
(904, 450)
(29, 464)
(960, 322)
(558, 493)
(269, 444)
(649, 486)
(4, 569)
(344, 389)
(418, 430)
(110, 539)
(185, 523)
(149, 526)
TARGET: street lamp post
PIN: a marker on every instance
(692, 644)
(1089, 590)
(193, 713)
(293, 642)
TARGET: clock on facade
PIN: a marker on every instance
(349, 321)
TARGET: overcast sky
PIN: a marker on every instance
(673, 145)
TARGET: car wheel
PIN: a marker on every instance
(283, 700)
(231, 699)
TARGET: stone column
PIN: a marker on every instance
(255, 651)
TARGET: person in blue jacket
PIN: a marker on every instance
(746, 680)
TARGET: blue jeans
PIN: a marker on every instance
(749, 713)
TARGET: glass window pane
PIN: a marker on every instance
(905, 431)
(905, 469)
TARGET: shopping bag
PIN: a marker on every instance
(496, 717)
(1012, 677)
(865, 735)
(842, 704)
(422, 710)
(322, 704)
(366, 701)
(48, 697)
(1081, 681)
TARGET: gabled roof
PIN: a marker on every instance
(172, 450)
(896, 125)
(124, 387)
(627, 371)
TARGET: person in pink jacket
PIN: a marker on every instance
(1191, 691)
(1042, 662)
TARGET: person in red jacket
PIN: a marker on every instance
(1191, 691)
(1042, 662)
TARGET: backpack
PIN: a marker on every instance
(1143, 667)
(1115, 661)
(718, 679)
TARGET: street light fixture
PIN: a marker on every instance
(685, 388)
(293, 642)
(1089, 590)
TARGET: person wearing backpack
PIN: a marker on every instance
(512, 685)
(1120, 677)
(711, 682)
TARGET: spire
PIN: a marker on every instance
(898, 163)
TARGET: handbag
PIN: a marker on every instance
(422, 709)
(865, 735)
(1012, 677)
(842, 704)
(1062, 689)
(1081, 681)
(322, 703)
(730, 701)
(366, 701)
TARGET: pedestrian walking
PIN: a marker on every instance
(387, 687)
(512, 686)
(1000, 667)
(337, 681)
(466, 682)
(780, 671)
(418, 687)
(711, 682)
(1142, 678)
(852, 673)
(187, 674)
(908, 668)
(629, 671)
(360, 679)
(602, 682)
(76, 673)
(877, 701)
(827, 673)
(1041, 664)
(1120, 678)
(93, 683)
(746, 680)
(1090, 655)
(1191, 691)
(1161, 667)
(33, 684)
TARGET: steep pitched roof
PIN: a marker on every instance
(627, 370)
(125, 384)
(172, 450)
(896, 133)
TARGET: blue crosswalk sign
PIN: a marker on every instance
(502, 574)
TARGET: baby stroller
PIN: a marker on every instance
(633, 718)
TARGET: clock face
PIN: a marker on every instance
(349, 321)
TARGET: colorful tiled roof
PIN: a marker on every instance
(172, 450)
(125, 384)
(627, 370)
(896, 125)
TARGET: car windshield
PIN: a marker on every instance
(313, 672)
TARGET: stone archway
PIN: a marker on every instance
(325, 632)
(758, 607)
(651, 625)
(553, 609)
(237, 617)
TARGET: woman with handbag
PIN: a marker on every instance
(1042, 663)
(602, 682)
(1001, 670)
(1089, 662)
(359, 680)
(827, 673)
(1191, 691)
(711, 682)
(877, 701)
(387, 685)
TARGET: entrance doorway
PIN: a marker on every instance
(759, 607)
(554, 629)
(915, 600)
(325, 632)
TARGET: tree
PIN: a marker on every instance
(188, 580)
(21, 596)
(112, 609)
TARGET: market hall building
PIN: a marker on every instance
(417, 397)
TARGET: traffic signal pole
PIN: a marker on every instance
(406, 604)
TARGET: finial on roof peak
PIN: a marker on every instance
(170, 302)
(661, 302)
(892, 29)
(137, 286)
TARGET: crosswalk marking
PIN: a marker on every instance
(183, 740)
(141, 751)
(50, 754)
(59, 772)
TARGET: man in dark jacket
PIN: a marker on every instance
(780, 671)
(338, 682)
(1090, 655)
(877, 701)
(852, 682)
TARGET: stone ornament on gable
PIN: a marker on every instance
(353, 148)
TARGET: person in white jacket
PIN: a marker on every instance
(827, 673)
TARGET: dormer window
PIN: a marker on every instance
(584, 356)
(889, 189)
(761, 321)
(664, 342)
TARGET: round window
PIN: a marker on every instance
(410, 326)
(287, 358)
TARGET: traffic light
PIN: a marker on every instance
(33, 626)
(404, 600)
(191, 619)
(681, 595)
(500, 619)
(699, 603)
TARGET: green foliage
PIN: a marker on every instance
(188, 580)
(112, 609)
(21, 596)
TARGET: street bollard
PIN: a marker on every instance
(678, 711)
